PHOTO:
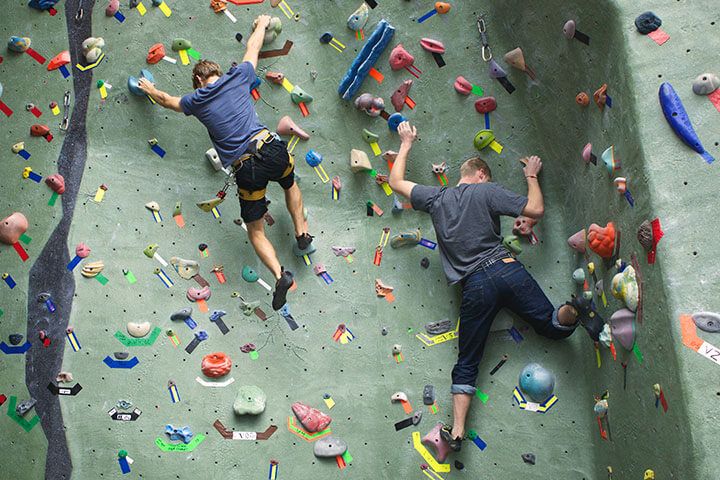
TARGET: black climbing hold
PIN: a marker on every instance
(459, 465)
(15, 338)
(425, 262)
(529, 458)
(121, 355)
(647, 22)
(238, 37)
(384, 331)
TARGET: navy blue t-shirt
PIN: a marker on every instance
(226, 109)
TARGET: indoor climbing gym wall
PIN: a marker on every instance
(136, 333)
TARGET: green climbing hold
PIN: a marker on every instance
(483, 138)
(249, 275)
(122, 453)
(512, 243)
(151, 249)
(369, 137)
(298, 95)
(181, 44)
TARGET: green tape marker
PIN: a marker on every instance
(347, 457)
(25, 239)
(194, 53)
(53, 199)
(179, 447)
(477, 90)
(138, 342)
(482, 396)
(129, 276)
(1, 312)
(254, 355)
(101, 278)
(26, 425)
(637, 352)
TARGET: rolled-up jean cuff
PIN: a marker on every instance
(466, 389)
(556, 322)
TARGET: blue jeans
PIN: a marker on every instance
(503, 283)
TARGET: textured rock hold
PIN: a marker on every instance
(155, 54)
(577, 241)
(112, 8)
(62, 58)
(215, 365)
(312, 419)
(432, 46)
(15, 338)
(434, 440)
(180, 44)
(286, 126)
(359, 18)
(56, 182)
(19, 44)
(92, 269)
(82, 250)
(250, 400)
(647, 22)
(582, 99)
(707, 321)
(622, 325)
(359, 161)
(400, 58)
(370, 104)
(485, 104)
(197, 294)
(705, 84)
(92, 48)
(401, 93)
(138, 330)
(602, 240)
(536, 382)
(187, 269)
(462, 86)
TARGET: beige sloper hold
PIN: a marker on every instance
(91, 269)
(187, 269)
(138, 330)
(153, 206)
(359, 161)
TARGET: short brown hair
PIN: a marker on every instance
(472, 165)
(204, 69)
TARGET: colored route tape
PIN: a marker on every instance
(112, 363)
(138, 342)
(180, 447)
(26, 425)
(57, 390)
(14, 350)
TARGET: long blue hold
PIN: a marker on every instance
(374, 47)
(679, 121)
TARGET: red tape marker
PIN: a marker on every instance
(5, 109)
(715, 99)
(20, 251)
(35, 55)
(36, 111)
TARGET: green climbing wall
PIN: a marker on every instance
(667, 180)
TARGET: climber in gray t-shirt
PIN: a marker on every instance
(467, 224)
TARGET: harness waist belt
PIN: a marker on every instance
(256, 143)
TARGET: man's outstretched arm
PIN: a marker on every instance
(535, 207)
(397, 181)
(163, 99)
(256, 40)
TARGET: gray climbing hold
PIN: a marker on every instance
(529, 458)
(436, 328)
(707, 321)
(250, 400)
(329, 447)
(15, 338)
(121, 355)
(705, 84)
(181, 315)
(23, 407)
(417, 416)
(647, 22)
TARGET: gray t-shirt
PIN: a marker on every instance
(467, 222)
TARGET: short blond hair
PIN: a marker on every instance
(474, 164)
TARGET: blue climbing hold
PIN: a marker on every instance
(359, 69)
(679, 121)
(184, 433)
(537, 382)
(313, 158)
(42, 4)
(394, 120)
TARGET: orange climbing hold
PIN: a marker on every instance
(602, 240)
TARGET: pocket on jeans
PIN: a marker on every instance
(520, 281)
(473, 295)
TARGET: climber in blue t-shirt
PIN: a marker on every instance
(222, 102)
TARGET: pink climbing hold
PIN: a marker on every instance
(398, 98)
(400, 58)
(311, 418)
(432, 46)
(577, 241)
(462, 86)
(434, 440)
(56, 182)
(485, 104)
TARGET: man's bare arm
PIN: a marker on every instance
(163, 99)
(397, 181)
(256, 40)
(535, 207)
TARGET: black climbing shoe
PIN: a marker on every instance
(588, 317)
(304, 241)
(281, 288)
(455, 444)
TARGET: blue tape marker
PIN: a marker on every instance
(35, 177)
(479, 442)
(157, 149)
(190, 323)
(112, 363)
(428, 243)
(24, 154)
(74, 263)
(120, 18)
(124, 466)
(65, 72)
(427, 15)
(14, 350)
(629, 198)
(515, 334)
(9, 280)
(487, 121)
(50, 305)
(608, 101)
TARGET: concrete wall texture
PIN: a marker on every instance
(107, 144)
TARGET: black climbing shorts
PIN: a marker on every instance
(252, 177)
